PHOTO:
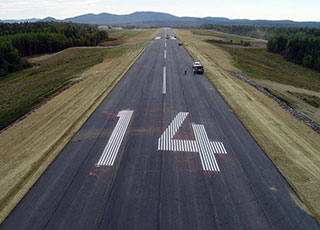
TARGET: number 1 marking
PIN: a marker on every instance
(111, 150)
(201, 144)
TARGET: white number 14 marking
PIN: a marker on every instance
(201, 144)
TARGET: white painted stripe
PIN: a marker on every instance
(216, 147)
(116, 145)
(111, 150)
(223, 148)
(202, 150)
(220, 149)
(165, 54)
(205, 151)
(205, 142)
(198, 144)
(201, 144)
(213, 159)
(164, 89)
(171, 130)
(165, 45)
(159, 143)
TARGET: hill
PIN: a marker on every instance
(157, 19)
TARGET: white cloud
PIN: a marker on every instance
(43, 8)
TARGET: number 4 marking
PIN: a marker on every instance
(201, 144)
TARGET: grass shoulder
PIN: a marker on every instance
(259, 63)
(21, 91)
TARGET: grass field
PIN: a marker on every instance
(311, 100)
(259, 63)
(119, 37)
(292, 146)
(20, 92)
(282, 78)
(227, 38)
(23, 90)
(29, 146)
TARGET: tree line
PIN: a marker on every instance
(301, 48)
(25, 39)
(299, 45)
(261, 32)
(50, 27)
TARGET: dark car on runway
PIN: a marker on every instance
(197, 68)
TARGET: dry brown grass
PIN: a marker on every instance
(284, 79)
(211, 34)
(293, 96)
(28, 147)
(289, 143)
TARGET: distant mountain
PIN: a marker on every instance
(50, 19)
(20, 20)
(156, 19)
(105, 18)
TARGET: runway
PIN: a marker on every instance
(162, 151)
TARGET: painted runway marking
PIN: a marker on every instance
(157, 38)
(165, 45)
(201, 144)
(164, 88)
(111, 150)
(165, 54)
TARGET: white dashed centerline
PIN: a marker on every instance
(165, 54)
(164, 88)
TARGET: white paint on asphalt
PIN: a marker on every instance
(165, 45)
(208, 160)
(165, 54)
(111, 150)
(164, 88)
(201, 144)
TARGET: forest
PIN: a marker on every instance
(19, 40)
(301, 48)
(261, 32)
(299, 45)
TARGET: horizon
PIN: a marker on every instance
(146, 11)
(293, 10)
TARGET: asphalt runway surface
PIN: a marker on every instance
(162, 151)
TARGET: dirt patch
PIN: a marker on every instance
(290, 144)
(28, 147)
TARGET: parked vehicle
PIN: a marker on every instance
(197, 68)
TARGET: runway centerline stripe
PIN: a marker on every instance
(164, 88)
(165, 54)
(112, 148)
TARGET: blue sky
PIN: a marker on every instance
(298, 10)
